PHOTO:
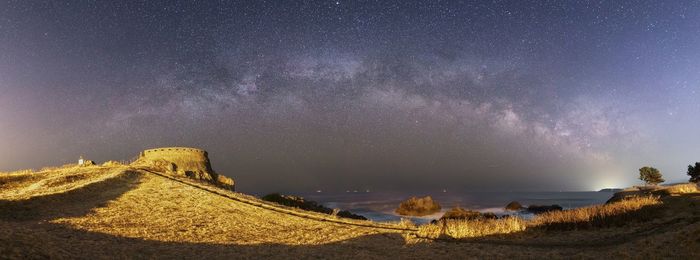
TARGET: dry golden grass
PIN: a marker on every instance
(453, 228)
(683, 188)
(112, 164)
(292, 211)
(594, 216)
(57, 168)
(163, 210)
(11, 179)
(123, 212)
(17, 172)
(616, 213)
(58, 180)
(663, 191)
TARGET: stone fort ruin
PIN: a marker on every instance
(183, 162)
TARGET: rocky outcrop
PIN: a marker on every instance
(535, 209)
(654, 190)
(634, 192)
(514, 206)
(418, 207)
(301, 203)
(87, 163)
(465, 214)
(539, 209)
(225, 182)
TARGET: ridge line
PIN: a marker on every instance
(278, 209)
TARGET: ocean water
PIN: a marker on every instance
(380, 206)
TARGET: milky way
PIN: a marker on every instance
(426, 95)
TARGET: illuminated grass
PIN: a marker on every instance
(471, 228)
(53, 181)
(163, 210)
(594, 216)
(618, 213)
(121, 206)
(683, 188)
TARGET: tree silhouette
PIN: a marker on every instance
(650, 175)
(694, 172)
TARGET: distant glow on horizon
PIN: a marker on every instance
(608, 182)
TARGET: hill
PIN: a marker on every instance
(122, 211)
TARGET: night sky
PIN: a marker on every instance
(381, 95)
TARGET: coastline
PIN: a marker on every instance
(380, 206)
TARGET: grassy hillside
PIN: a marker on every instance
(121, 211)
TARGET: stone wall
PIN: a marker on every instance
(184, 162)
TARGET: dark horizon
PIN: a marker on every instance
(289, 96)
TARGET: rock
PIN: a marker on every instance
(348, 214)
(301, 203)
(514, 205)
(88, 163)
(225, 182)
(465, 214)
(296, 202)
(623, 195)
(539, 209)
(418, 207)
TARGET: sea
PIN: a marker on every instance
(380, 206)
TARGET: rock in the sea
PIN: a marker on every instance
(539, 209)
(418, 207)
(514, 205)
(465, 214)
(348, 214)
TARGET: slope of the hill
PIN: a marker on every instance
(25, 186)
(164, 210)
(126, 212)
